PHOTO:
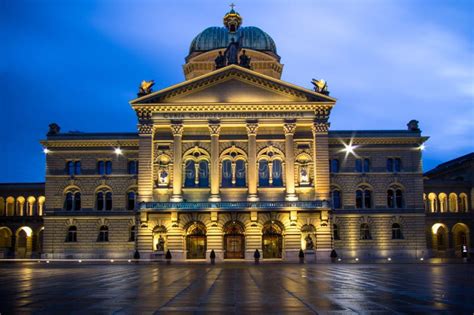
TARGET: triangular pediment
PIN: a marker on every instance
(233, 84)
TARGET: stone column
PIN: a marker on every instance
(252, 127)
(145, 162)
(289, 127)
(214, 128)
(177, 129)
(321, 160)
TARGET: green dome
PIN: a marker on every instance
(219, 38)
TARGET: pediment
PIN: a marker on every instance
(233, 84)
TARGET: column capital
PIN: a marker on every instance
(252, 127)
(146, 129)
(177, 128)
(214, 128)
(289, 127)
(320, 127)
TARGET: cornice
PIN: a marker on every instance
(89, 143)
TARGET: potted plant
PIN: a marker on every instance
(301, 256)
(213, 257)
(256, 256)
(168, 257)
(333, 255)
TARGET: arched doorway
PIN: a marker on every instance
(234, 241)
(460, 238)
(5, 242)
(196, 241)
(272, 241)
(440, 238)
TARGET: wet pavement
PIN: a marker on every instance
(236, 288)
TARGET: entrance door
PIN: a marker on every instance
(272, 246)
(234, 246)
(196, 246)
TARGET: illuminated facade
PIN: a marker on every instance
(448, 196)
(233, 159)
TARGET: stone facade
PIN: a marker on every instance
(449, 203)
(234, 160)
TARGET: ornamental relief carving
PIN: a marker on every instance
(145, 129)
(276, 144)
(189, 145)
(238, 144)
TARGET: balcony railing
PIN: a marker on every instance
(234, 205)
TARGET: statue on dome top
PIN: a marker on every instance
(232, 51)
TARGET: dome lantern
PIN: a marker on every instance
(232, 20)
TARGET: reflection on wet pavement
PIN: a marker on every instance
(236, 288)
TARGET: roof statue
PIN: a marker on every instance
(232, 51)
(320, 86)
(244, 60)
(145, 87)
(220, 60)
(54, 129)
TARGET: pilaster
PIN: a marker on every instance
(321, 159)
(214, 129)
(252, 128)
(290, 127)
(145, 158)
(177, 129)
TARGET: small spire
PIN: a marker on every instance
(232, 5)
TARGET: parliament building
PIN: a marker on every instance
(231, 160)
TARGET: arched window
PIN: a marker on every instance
(463, 202)
(453, 202)
(334, 166)
(263, 174)
(132, 234)
(189, 179)
(196, 164)
(240, 176)
(270, 170)
(104, 200)
(233, 167)
(71, 234)
(10, 205)
(68, 204)
(103, 234)
(226, 173)
(433, 201)
(396, 232)
(72, 200)
(277, 172)
(443, 202)
(336, 199)
(203, 174)
(363, 198)
(2, 207)
(394, 198)
(335, 232)
(365, 232)
(131, 200)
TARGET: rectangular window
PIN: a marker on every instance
(358, 165)
(108, 167)
(397, 165)
(101, 167)
(389, 165)
(133, 167)
(334, 166)
(73, 168)
(366, 165)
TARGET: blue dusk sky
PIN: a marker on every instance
(78, 63)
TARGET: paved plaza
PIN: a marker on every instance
(236, 288)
